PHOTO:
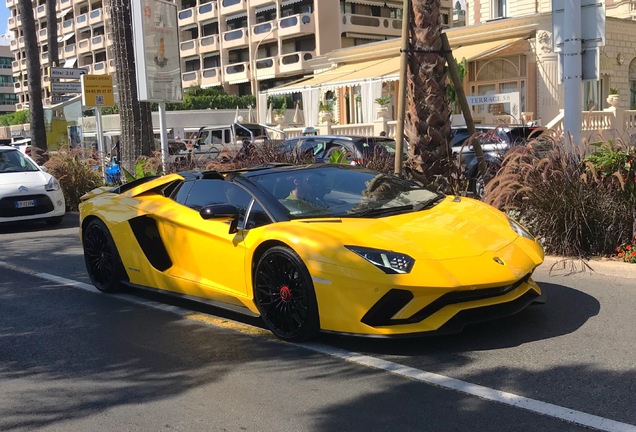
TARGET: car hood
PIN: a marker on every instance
(28, 179)
(450, 230)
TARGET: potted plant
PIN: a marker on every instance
(613, 98)
(326, 111)
(383, 106)
(279, 113)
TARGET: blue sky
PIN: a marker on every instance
(4, 17)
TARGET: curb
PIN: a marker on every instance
(563, 266)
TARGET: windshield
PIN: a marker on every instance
(15, 161)
(342, 191)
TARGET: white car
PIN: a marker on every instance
(27, 191)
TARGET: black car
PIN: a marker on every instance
(320, 147)
(495, 142)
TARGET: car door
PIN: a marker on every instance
(205, 252)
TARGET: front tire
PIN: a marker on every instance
(102, 259)
(284, 294)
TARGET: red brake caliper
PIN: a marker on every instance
(285, 293)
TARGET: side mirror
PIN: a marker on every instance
(222, 212)
(43, 168)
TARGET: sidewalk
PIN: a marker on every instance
(560, 265)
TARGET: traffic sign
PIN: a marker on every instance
(60, 99)
(97, 90)
(65, 87)
(592, 24)
(69, 73)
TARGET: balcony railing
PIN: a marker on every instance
(378, 26)
(99, 67)
(266, 68)
(207, 11)
(81, 21)
(97, 42)
(42, 35)
(296, 25)
(232, 6)
(190, 78)
(187, 16)
(70, 50)
(235, 38)
(13, 23)
(264, 31)
(84, 46)
(209, 44)
(295, 62)
(40, 11)
(68, 26)
(237, 72)
(211, 77)
(189, 48)
(95, 16)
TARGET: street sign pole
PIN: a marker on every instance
(164, 136)
(100, 141)
(572, 70)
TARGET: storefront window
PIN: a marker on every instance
(495, 76)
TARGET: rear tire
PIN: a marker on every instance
(284, 294)
(102, 260)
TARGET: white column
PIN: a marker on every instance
(572, 70)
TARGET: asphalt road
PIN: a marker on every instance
(75, 360)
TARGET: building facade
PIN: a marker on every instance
(242, 45)
(508, 48)
(8, 97)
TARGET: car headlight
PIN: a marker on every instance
(52, 185)
(516, 227)
(388, 261)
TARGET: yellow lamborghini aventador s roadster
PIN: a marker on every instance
(313, 248)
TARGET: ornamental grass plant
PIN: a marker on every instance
(76, 171)
(573, 209)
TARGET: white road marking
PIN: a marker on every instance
(533, 405)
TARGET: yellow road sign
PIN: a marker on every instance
(97, 91)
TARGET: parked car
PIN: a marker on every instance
(310, 248)
(318, 148)
(225, 141)
(495, 142)
(28, 191)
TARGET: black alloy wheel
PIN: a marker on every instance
(102, 259)
(284, 295)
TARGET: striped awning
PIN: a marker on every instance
(386, 69)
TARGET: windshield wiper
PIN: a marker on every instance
(382, 211)
(428, 204)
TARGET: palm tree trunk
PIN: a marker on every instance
(51, 33)
(428, 114)
(137, 137)
(34, 81)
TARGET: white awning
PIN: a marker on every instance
(236, 16)
(364, 36)
(265, 8)
(370, 2)
(289, 2)
(65, 37)
(69, 63)
(63, 13)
